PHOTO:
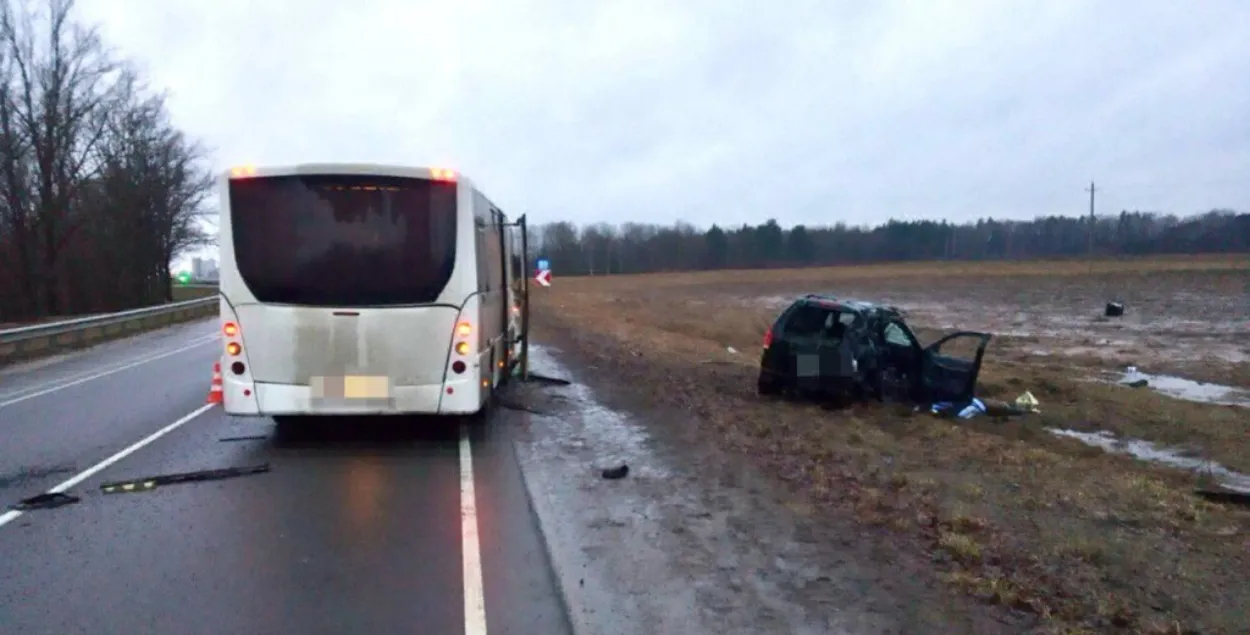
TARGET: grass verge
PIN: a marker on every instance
(1010, 514)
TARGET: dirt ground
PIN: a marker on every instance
(1047, 532)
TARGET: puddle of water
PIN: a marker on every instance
(1146, 451)
(1188, 389)
(611, 435)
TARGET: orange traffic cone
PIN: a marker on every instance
(214, 391)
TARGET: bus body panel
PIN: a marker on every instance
(286, 348)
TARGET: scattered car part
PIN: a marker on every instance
(47, 500)
(1114, 309)
(254, 437)
(1225, 496)
(615, 473)
(824, 346)
(1027, 402)
(512, 405)
(543, 379)
(152, 482)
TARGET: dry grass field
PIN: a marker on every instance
(1004, 510)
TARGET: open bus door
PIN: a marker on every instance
(515, 236)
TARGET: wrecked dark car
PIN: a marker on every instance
(825, 347)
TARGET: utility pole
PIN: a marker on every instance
(1089, 236)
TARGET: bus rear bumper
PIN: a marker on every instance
(264, 399)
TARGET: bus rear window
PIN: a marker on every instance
(340, 240)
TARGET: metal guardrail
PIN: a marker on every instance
(22, 341)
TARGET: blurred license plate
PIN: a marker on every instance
(351, 387)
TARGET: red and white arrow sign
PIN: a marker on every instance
(543, 277)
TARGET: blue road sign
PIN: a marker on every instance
(543, 264)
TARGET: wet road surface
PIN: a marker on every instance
(359, 527)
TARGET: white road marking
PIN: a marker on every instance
(13, 515)
(474, 594)
(37, 391)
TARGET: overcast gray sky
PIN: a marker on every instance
(726, 111)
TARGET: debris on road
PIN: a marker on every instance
(47, 500)
(543, 379)
(512, 405)
(254, 437)
(1114, 309)
(152, 482)
(615, 473)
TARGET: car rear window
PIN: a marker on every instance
(810, 320)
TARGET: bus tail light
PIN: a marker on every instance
(463, 329)
(442, 174)
(234, 348)
(462, 348)
(230, 329)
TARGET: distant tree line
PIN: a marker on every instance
(98, 190)
(638, 248)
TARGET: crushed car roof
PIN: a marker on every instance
(859, 306)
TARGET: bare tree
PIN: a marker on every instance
(98, 190)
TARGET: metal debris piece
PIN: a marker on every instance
(512, 405)
(152, 482)
(543, 379)
(614, 473)
(47, 500)
(255, 437)
(1114, 309)
(1225, 496)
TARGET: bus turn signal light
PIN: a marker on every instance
(462, 348)
(463, 329)
(233, 348)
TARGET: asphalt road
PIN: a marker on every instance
(358, 527)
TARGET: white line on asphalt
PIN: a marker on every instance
(474, 594)
(39, 391)
(13, 515)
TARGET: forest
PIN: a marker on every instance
(98, 190)
(638, 248)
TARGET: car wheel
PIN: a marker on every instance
(768, 385)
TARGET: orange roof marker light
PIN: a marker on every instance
(242, 171)
(442, 174)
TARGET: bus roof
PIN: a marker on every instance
(367, 169)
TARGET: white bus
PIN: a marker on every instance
(365, 289)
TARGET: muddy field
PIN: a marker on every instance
(1029, 516)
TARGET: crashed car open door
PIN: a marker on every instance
(948, 377)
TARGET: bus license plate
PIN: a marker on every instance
(352, 387)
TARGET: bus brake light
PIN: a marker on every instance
(442, 174)
(242, 171)
(230, 329)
